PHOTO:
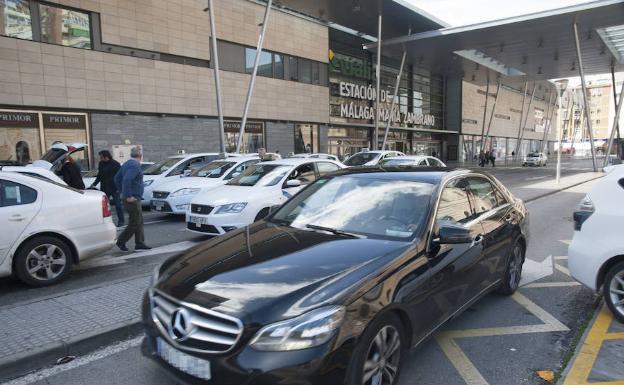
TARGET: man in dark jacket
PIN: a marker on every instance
(107, 169)
(71, 174)
(129, 180)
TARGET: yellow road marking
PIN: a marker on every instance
(469, 373)
(550, 284)
(561, 258)
(584, 362)
(562, 269)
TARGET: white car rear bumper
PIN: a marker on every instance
(93, 240)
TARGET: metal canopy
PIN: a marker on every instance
(538, 46)
(361, 15)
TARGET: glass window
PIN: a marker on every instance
(423, 163)
(265, 65)
(306, 138)
(433, 162)
(261, 175)
(240, 168)
(15, 19)
(454, 203)
(231, 56)
(278, 61)
(161, 167)
(252, 141)
(483, 193)
(304, 173)
(326, 168)
(293, 68)
(13, 194)
(65, 27)
(315, 73)
(214, 169)
(377, 208)
(361, 158)
(305, 71)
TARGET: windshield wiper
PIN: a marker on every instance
(334, 231)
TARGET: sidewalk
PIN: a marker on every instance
(37, 333)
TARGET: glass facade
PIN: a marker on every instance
(253, 137)
(15, 19)
(65, 27)
(306, 138)
(346, 141)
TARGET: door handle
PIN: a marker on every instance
(17, 218)
(478, 240)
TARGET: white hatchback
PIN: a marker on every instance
(175, 196)
(535, 159)
(47, 227)
(174, 167)
(249, 196)
(596, 254)
(370, 158)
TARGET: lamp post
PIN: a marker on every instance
(561, 85)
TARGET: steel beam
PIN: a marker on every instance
(618, 108)
(547, 123)
(585, 101)
(487, 96)
(395, 94)
(487, 135)
(215, 61)
(254, 73)
(526, 88)
(378, 84)
(526, 117)
(619, 147)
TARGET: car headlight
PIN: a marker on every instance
(306, 331)
(148, 182)
(184, 191)
(231, 208)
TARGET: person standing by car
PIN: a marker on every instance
(129, 180)
(107, 169)
(481, 158)
(71, 174)
(492, 156)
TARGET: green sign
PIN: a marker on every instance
(350, 66)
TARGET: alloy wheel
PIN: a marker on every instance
(46, 262)
(515, 267)
(616, 291)
(383, 358)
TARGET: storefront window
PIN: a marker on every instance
(67, 128)
(253, 138)
(265, 65)
(468, 150)
(347, 141)
(306, 138)
(15, 19)
(65, 27)
(279, 66)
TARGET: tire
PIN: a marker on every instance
(367, 351)
(513, 272)
(613, 290)
(52, 255)
(263, 213)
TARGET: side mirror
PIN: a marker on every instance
(293, 183)
(273, 209)
(187, 173)
(450, 233)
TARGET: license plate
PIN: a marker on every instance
(198, 221)
(158, 205)
(188, 364)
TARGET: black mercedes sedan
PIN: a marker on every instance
(335, 286)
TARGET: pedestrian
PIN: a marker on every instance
(493, 158)
(129, 180)
(481, 158)
(434, 154)
(71, 174)
(107, 169)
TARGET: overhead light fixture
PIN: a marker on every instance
(613, 37)
(481, 58)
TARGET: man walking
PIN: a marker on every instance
(492, 156)
(107, 169)
(129, 181)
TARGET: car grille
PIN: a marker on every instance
(201, 209)
(203, 228)
(165, 208)
(193, 328)
(160, 194)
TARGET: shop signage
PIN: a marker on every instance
(233, 126)
(16, 119)
(64, 121)
(369, 93)
(515, 110)
(469, 121)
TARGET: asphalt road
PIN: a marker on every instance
(499, 341)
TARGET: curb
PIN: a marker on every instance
(26, 362)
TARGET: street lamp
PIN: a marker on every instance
(561, 85)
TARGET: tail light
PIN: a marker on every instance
(106, 211)
(583, 211)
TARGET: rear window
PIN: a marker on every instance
(37, 176)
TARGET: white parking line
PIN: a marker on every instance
(97, 355)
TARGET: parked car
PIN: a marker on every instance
(336, 285)
(370, 158)
(175, 196)
(47, 227)
(249, 196)
(413, 160)
(89, 177)
(34, 171)
(596, 254)
(535, 159)
(174, 167)
(316, 155)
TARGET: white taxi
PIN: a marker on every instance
(249, 196)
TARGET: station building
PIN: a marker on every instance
(121, 72)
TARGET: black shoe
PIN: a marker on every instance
(122, 247)
(142, 246)
(121, 224)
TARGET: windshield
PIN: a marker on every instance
(214, 169)
(160, 167)
(361, 158)
(261, 175)
(399, 162)
(534, 154)
(391, 209)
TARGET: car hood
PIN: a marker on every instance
(188, 182)
(264, 272)
(231, 194)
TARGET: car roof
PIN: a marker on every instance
(297, 161)
(434, 175)
(415, 157)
